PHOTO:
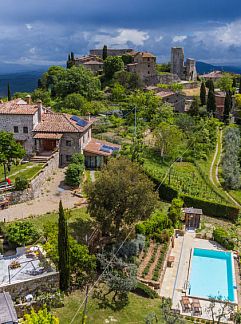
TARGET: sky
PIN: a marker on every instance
(43, 32)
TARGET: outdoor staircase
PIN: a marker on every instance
(40, 159)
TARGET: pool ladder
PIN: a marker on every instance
(187, 286)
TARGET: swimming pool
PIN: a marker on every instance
(211, 274)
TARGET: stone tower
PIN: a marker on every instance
(191, 73)
(177, 61)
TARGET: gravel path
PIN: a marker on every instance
(48, 201)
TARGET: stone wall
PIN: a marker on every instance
(35, 185)
(47, 171)
(168, 78)
(110, 51)
(44, 283)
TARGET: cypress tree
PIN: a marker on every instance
(240, 85)
(72, 56)
(210, 85)
(104, 54)
(9, 92)
(227, 106)
(63, 249)
(203, 94)
(211, 103)
(194, 109)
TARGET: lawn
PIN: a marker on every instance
(135, 312)
(28, 170)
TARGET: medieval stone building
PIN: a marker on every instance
(185, 71)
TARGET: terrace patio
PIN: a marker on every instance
(175, 283)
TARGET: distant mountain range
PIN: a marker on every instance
(27, 80)
(206, 68)
(19, 82)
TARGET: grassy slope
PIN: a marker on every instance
(23, 170)
(135, 312)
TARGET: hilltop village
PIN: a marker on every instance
(120, 193)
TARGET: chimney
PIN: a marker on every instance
(40, 109)
(28, 99)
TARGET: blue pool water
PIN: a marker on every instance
(211, 274)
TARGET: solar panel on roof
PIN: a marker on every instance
(103, 149)
(82, 123)
(112, 148)
(75, 118)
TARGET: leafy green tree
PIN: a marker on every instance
(203, 94)
(50, 79)
(42, 95)
(175, 211)
(127, 58)
(112, 64)
(75, 101)
(21, 95)
(211, 103)
(121, 195)
(63, 249)
(234, 85)
(105, 52)
(78, 158)
(225, 83)
(119, 276)
(78, 80)
(10, 151)
(164, 67)
(9, 92)
(227, 106)
(129, 80)
(194, 109)
(117, 92)
(40, 317)
(168, 139)
(22, 233)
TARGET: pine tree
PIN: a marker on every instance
(227, 107)
(104, 54)
(9, 92)
(63, 249)
(211, 103)
(203, 94)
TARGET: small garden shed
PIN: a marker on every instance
(192, 217)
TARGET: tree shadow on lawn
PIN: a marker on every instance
(82, 229)
(115, 304)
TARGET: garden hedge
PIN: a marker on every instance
(209, 208)
(145, 291)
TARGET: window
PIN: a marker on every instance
(25, 130)
(148, 65)
(68, 143)
(148, 72)
(68, 158)
(15, 129)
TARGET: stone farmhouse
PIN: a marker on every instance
(142, 63)
(43, 132)
(185, 71)
(214, 76)
(91, 62)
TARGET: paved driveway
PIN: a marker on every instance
(48, 201)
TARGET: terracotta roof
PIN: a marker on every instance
(146, 54)
(48, 136)
(17, 107)
(60, 123)
(213, 74)
(164, 94)
(93, 63)
(95, 145)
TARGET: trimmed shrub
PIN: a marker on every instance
(21, 183)
(145, 291)
(221, 236)
(21, 233)
(74, 174)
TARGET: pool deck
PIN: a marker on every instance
(176, 276)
